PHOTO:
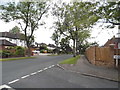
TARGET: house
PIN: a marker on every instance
(10, 39)
(4, 44)
(114, 40)
(51, 46)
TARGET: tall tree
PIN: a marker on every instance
(74, 18)
(56, 37)
(28, 14)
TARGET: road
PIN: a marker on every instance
(42, 72)
(14, 69)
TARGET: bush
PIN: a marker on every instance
(20, 51)
(5, 54)
(42, 51)
(50, 51)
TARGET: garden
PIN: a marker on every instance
(16, 51)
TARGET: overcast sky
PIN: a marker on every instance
(43, 34)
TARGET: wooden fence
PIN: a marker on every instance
(102, 56)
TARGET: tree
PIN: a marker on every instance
(64, 44)
(74, 19)
(15, 30)
(82, 41)
(56, 37)
(109, 12)
(28, 14)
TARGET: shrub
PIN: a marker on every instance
(42, 51)
(50, 51)
(20, 51)
(5, 54)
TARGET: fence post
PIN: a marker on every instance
(112, 53)
(95, 53)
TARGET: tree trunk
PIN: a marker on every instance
(74, 49)
(57, 48)
(77, 48)
(29, 50)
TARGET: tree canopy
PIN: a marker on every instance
(74, 20)
(28, 15)
(15, 30)
(110, 12)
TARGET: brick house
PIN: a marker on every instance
(4, 44)
(113, 40)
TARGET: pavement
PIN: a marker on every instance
(85, 68)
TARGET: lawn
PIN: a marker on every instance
(72, 60)
(19, 58)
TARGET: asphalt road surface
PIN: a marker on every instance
(42, 72)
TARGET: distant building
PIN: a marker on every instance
(115, 41)
(51, 46)
(10, 39)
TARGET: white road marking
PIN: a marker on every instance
(28, 75)
(13, 81)
(49, 67)
(52, 65)
(25, 76)
(40, 71)
(33, 73)
(4, 86)
(45, 68)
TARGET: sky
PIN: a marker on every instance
(44, 33)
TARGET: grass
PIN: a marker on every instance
(72, 60)
(53, 55)
(20, 58)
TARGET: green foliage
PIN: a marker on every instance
(110, 12)
(49, 51)
(42, 51)
(19, 51)
(15, 30)
(74, 21)
(5, 53)
(28, 14)
(64, 44)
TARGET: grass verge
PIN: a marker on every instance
(72, 60)
(53, 55)
(20, 58)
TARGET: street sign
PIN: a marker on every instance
(116, 56)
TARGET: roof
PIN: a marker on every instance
(117, 40)
(11, 35)
(6, 43)
(112, 41)
(51, 45)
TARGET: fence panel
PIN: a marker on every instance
(100, 55)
